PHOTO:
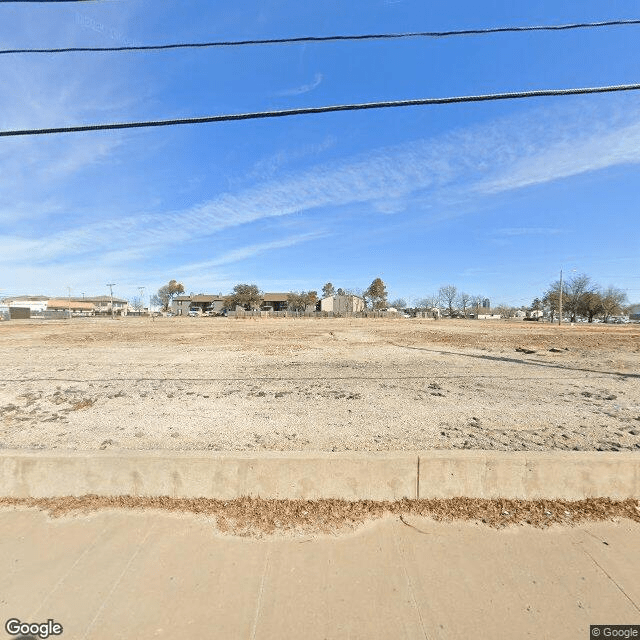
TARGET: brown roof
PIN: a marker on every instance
(95, 299)
(275, 297)
(64, 304)
(205, 298)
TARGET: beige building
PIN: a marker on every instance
(102, 305)
(75, 307)
(342, 304)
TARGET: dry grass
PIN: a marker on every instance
(258, 517)
(82, 404)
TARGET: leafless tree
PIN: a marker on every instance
(505, 310)
(429, 302)
(577, 286)
(612, 301)
(300, 301)
(464, 299)
(590, 305)
(137, 304)
(447, 295)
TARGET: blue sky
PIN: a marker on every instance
(494, 198)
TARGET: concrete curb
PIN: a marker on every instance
(530, 475)
(313, 475)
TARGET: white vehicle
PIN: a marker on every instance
(194, 312)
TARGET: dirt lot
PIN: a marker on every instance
(331, 384)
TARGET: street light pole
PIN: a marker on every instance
(560, 305)
(111, 285)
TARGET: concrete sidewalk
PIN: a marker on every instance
(152, 575)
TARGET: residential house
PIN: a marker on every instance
(274, 302)
(102, 305)
(205, 303)
(180, 305)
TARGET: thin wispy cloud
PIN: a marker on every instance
(461, 164)
(442, 173)
(250, 251)
(582, 145)
(305, 88)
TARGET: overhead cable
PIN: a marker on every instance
(515, 95)
(334, 38)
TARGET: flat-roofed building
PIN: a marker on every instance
(102, 305)
(75, 307)
(35, 304)
(342, 304)
(205, 303)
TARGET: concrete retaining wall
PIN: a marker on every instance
(351, 476)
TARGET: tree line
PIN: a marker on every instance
(581, 296)
(455, 302)
(249, 296)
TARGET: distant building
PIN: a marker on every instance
(205, 303)
(102, 305)
(342, 304)
(35, 304)
(75, 307)
(274, 302)
(180, 305)
(208, 303)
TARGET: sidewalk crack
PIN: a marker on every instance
(626, 595)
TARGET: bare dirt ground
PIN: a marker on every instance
(309, 384)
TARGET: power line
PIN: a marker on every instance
(333, 38)
(326, 109)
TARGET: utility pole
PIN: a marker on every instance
(69, 290)
(141, 290)
(111, 285)
(560, 305)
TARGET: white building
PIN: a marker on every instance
(35, 304)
